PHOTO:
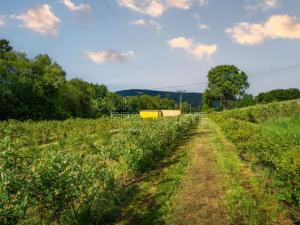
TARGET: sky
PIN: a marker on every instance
(159, 44)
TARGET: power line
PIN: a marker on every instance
(250, 75)
(118, 18)
(275, 70)
(110, 9)
(115, 15)
(98, 13)
(178, 86)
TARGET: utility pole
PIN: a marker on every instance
(180, 99)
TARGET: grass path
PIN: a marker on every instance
(148, 199)
(202, 182)
(199, 200)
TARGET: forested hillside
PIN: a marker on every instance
(192, 98)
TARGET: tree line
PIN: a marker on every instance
(227, 87)
(37, 89)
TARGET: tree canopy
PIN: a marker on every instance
(226, 82)
(37, 89)
(278, 95)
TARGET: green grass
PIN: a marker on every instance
(288, 128)
(247, 200)
(267, 137)
(76, 171)
(148, 200)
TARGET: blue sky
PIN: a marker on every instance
(159, 43)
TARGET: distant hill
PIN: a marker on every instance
(192, 98)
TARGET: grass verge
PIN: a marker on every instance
(246, 199)
(148, 199)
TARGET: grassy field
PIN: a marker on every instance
(78, 171)
(266, 138)
(235, 167)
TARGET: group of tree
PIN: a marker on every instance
(37, 89)
(278, 95)
(266, 97)
(227, 89)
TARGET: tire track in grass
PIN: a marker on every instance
(148, 199)
(199, 200)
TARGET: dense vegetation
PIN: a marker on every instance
(191, 98)
(77, 171)
(278, 95)
(267, 137)
(37, 89)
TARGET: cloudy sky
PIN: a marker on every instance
(159, 43)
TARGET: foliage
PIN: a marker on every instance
(209, 101)
(278, 95)
(226, 82)
(259, 139)
(76, 171)
(266, 97)
(13, 186)
(194, 99)
(245, 101)
(246, 199)
(37, 89)
(136, 103)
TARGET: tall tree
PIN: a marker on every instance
(5, 47)
(227, 82)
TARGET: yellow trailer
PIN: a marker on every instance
(146, 114)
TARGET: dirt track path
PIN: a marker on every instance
(199, 199)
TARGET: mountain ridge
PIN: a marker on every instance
(193, 98)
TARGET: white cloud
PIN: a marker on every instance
(277, 26)
(155, 8)
(76, 8)
(180, 4)
(195, 49)
(180, 42)
(108, 55)
(40, 19)
(262, 5)
(149, 24)
(130, 4)
(140, 22)
(203, 2)
(202, 27)
(247, 34)
(2, 21)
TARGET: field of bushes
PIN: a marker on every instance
(78, 171)
(267, 137)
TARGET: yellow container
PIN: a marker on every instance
(146, 114)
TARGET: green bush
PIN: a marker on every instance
(75, 171)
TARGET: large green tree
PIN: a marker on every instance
(227, 82)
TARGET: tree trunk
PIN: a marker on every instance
(224, 102)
